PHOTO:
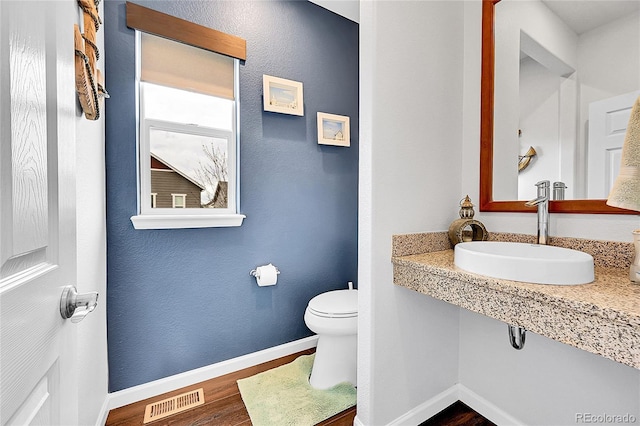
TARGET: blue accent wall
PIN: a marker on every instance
(182, 299)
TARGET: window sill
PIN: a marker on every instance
(186, 221)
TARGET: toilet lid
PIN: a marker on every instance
(337, 303)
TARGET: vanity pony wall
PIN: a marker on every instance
(602, 317)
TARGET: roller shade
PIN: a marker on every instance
(181, 66)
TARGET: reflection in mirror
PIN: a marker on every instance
(564, 74)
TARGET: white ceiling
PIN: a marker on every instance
(350, 9)
(583, 16)
(580, 15)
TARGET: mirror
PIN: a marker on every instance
(540, 138)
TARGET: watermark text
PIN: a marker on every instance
(605, 418)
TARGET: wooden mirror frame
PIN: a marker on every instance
(486, 138)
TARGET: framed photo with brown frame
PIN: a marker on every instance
(333, 129)
(282, 96)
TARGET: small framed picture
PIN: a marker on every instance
(333, 129)
(283, 96)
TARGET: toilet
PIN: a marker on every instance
(333, 316)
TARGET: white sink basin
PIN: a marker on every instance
(531, 263)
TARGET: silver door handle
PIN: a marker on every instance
(77, 306)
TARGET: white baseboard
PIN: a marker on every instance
(357, 422)
(428, 408)
(167, 384)
(104, 413)
(486, 408)
(457, 392)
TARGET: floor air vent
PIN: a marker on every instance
(170, 406)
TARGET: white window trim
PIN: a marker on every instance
(186, 221)
(186, 218)
(154, 201)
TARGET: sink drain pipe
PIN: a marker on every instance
(516, 336)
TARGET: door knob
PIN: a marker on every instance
(77, 306)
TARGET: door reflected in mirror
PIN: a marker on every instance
(566, 76)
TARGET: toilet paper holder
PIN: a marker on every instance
(254, 272)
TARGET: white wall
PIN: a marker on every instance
(410, 123)
(92, 260)
(539, 121)
(547, 382)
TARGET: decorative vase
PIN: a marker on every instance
(634, 271)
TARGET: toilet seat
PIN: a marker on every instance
(335, 304)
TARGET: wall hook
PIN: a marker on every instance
(524, 160)
(516, 340)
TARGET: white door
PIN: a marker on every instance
(608, 120)
(38, 384)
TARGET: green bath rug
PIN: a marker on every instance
(283, 396)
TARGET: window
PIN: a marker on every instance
(179, 201)
(188, 111)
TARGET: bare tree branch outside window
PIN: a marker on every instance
(213, 174)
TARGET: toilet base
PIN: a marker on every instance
(335, 361)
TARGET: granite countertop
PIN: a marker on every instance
(602, 317)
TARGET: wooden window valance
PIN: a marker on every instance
(163, 25)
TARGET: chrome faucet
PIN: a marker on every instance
(542, 201)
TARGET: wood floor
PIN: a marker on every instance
(223, 405)
(457, 414)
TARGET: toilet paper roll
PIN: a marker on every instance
(266, 275)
